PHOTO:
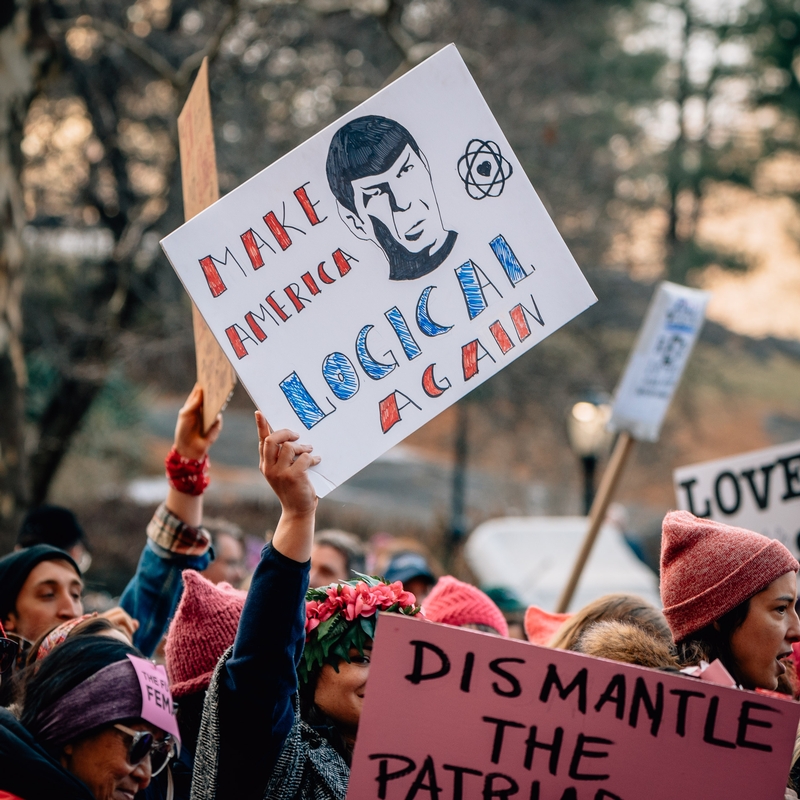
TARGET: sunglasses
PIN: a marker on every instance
(144, 744)
(8, 654)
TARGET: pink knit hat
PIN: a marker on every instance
(457, 603)
(708, 568)
(203, 628)
(540, 625)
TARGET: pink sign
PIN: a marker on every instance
(157, 707)
(452, 714)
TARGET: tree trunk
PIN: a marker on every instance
(22, 61)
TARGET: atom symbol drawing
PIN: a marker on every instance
(483, 169)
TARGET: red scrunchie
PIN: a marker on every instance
(186, 475)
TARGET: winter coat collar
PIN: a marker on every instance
(27, 770)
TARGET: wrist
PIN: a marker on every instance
(298, 516)
(187, 451)
(186, 475)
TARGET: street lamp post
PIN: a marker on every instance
(589, 439)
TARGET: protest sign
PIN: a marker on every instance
(379, 272)
(452, 714)
(759, 491)
(200, 190)
(157, 706)
(658, 359)
(643, 395)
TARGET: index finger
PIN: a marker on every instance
(264, 429)
(195, 399)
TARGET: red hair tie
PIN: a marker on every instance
(187, 475)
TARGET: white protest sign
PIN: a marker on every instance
(376, 274)
(662, 350)
(759, 491)
(451, 714)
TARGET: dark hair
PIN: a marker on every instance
(52, 525)
(217, 526)
(714, 642)
(71, 663)
(348, 545)
(364, 146)
(317, 719)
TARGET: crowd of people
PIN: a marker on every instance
(267, 675)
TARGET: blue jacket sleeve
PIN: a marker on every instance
(153, 593)
(260, 678)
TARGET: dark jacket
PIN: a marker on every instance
(181, 771)
(27, 770)
(252, 743)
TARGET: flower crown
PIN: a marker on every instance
(342, 616)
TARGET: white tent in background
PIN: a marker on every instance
(534, 557)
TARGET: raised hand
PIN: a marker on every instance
(190, 441)
(285, 464)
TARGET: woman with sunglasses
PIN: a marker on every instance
(81, 735)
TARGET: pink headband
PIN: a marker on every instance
(59, 635)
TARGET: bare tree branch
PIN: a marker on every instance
(193, 62)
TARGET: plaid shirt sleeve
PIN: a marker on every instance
(172, 534)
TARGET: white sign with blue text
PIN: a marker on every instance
(655, 367)
(379, 272)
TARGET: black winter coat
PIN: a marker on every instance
(27, 770)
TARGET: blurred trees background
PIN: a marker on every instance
(626, 114)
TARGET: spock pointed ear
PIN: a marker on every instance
(354, 223)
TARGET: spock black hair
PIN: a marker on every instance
(363, 147)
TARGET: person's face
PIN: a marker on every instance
(340, 694)
(402, 199)
(767, 634)
(228, 564)
(420, 587)
(101, 762)
(51, 595)
(328, 565)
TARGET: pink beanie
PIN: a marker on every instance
(203, 628)
(454, 602)
(708, 568)
(540, 625)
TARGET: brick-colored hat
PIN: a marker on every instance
(203, 628)
(541, 625)
(454, 602)
(708, 568)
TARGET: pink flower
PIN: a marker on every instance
(359, 600)
(310, 625)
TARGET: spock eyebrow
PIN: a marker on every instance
(405, 164)
(383, 186)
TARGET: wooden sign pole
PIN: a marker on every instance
(200, 190)
(605, 493)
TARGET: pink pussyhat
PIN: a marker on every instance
(454, 602)
(203, 628)
(541, 625)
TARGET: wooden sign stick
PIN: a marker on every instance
(597, 514)
(200, 190)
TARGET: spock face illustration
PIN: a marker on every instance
(384, 193)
